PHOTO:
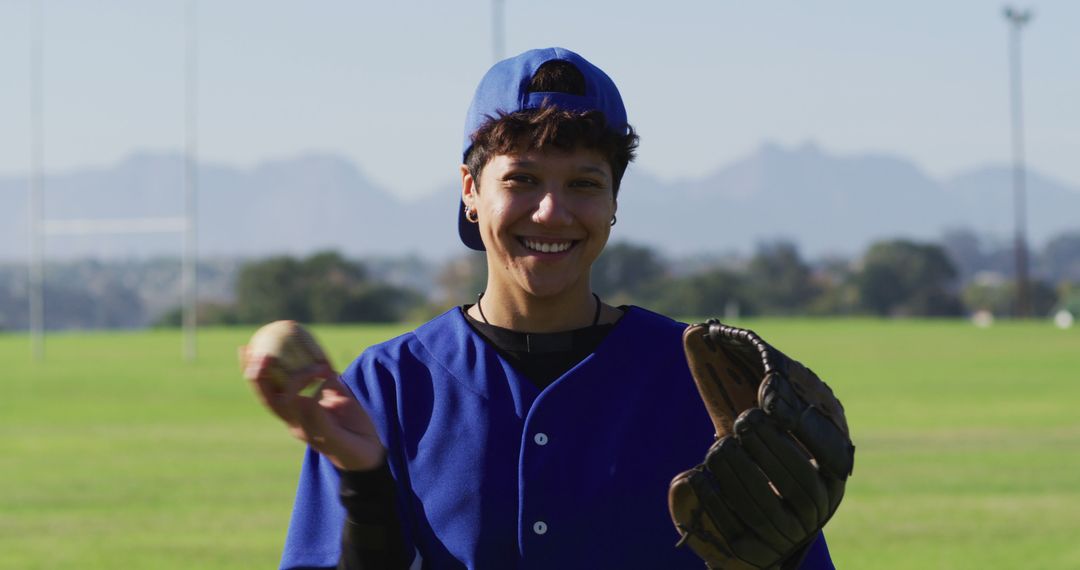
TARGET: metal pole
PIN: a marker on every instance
(498, 25)
(188, 270)
(1017, 19)
(36, 273)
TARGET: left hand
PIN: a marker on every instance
(776, 473)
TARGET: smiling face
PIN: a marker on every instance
(544, 217)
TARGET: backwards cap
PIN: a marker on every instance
(504, 90)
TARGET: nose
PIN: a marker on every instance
(552, 209)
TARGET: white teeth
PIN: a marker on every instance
(545, 247)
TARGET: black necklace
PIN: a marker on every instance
(479, 307)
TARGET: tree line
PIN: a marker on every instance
(323, 288)
(892, 278)
(957, 275)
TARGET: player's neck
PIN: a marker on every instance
(520, 311)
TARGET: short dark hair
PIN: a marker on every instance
(550, 126)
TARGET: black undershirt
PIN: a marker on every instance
(372, 538)
(541, 357)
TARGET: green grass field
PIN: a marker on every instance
(115, 454)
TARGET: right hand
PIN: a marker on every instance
(333, 423)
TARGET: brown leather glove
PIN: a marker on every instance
(783, 453)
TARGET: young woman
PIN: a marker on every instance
(538, 427)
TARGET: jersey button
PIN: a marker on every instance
(540, 527)
(540, 438)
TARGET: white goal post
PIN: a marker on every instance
(40, 227)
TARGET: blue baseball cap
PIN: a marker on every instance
(504, 90)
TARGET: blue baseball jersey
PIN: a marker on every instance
(492, 472)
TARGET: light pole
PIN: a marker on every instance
(1017, 19)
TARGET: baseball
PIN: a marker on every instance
(292, 347)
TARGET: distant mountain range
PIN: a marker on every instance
(824, 202)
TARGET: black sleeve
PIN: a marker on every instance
(372, 538)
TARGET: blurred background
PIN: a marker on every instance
(819, 146)
(889, 191)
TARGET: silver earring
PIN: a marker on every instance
(613, 220)
(471, 215)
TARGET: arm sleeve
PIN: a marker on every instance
(320, 525)
(371, 538)
(313, 540)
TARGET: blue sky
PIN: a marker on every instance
(386, 84)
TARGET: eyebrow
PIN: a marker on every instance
(594, 170)
(525, 163)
